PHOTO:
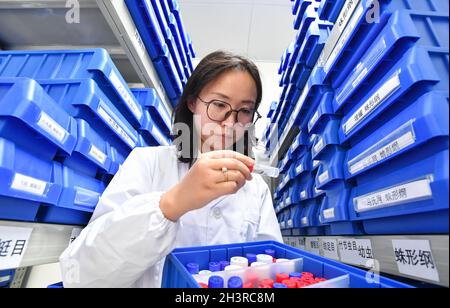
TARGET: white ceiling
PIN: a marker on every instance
(258, 29)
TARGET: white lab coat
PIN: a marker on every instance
(128, 238)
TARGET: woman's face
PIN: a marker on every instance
(235, 88)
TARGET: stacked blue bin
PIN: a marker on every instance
(67, 122)
(380, 121)
(162, 31)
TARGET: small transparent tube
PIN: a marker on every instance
(262, 163)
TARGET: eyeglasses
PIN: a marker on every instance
(219, 111)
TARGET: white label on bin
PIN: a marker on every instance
(314, 119)
(5, 278)
(303, 194)
(116, 127)
(389, 88)
(313, 245)
(312, 138)
(290, 223)
(360, 77)
(319, 145)
(75, 234)
(318, 191)
(413, 191)
(329, 249)
(304, 221)
(344, 38)
(324, 177)
(316, 163)
(28, 184)
(13, 246)
(382, 153)
(328, 213)
(52, 127)
(415, 258)
(356, 252)
(299, 169)
(96, 154)
(126, 95)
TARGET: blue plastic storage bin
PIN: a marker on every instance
(323, 114)
(404, 29)
(361, 32)
(149, 99)
(315, 39)
(75, 64)
(83, 99)
(299, 146)
(175, 274)
(27, 182)
(417, 72)
(148, 26)
(406, 197)
(306, 8)
(6, 278)
(334, 210)
(79, 197)
(425, 123)
(173, 25)
(331, 168)
(310, 217)
(330, 9)
(303, 186)
(294, 221)
(90, 153)
(33, 119)
(327, 139)
(309, 100)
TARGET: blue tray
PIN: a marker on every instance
(149, 99)
(323, 115)
(34, 120)
(83, 99)
(409, 197)
(327, 139)
(334, 210)
(405, 29)
(27, 182)
(425, 123)
(418, 71)
(74, 64)
(310, 217)
(79, 197)
(90, 153)
(306, 8)
(331, 167)
(175, 274)
(360, 33)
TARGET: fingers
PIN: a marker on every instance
(232, 165)
(231, 154)
(232, 176)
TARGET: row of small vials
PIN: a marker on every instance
(254, 271)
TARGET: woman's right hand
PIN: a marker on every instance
(206, 182)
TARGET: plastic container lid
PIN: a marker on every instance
(203, 285)
(223, 264)
(239, 261)
(251, 257)
(235, 283)
(281, 260)
(248, 285)
(193, 268)
(214, 266)
(205, 272)
(290, 284)
(232, 268)
(267, 259)
(268, 282)
(215, 282)
(279, 286)
(258, 264)
(281, 276)
(295, 275)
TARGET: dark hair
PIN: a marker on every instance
(208, 70)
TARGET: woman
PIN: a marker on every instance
(167, 197)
